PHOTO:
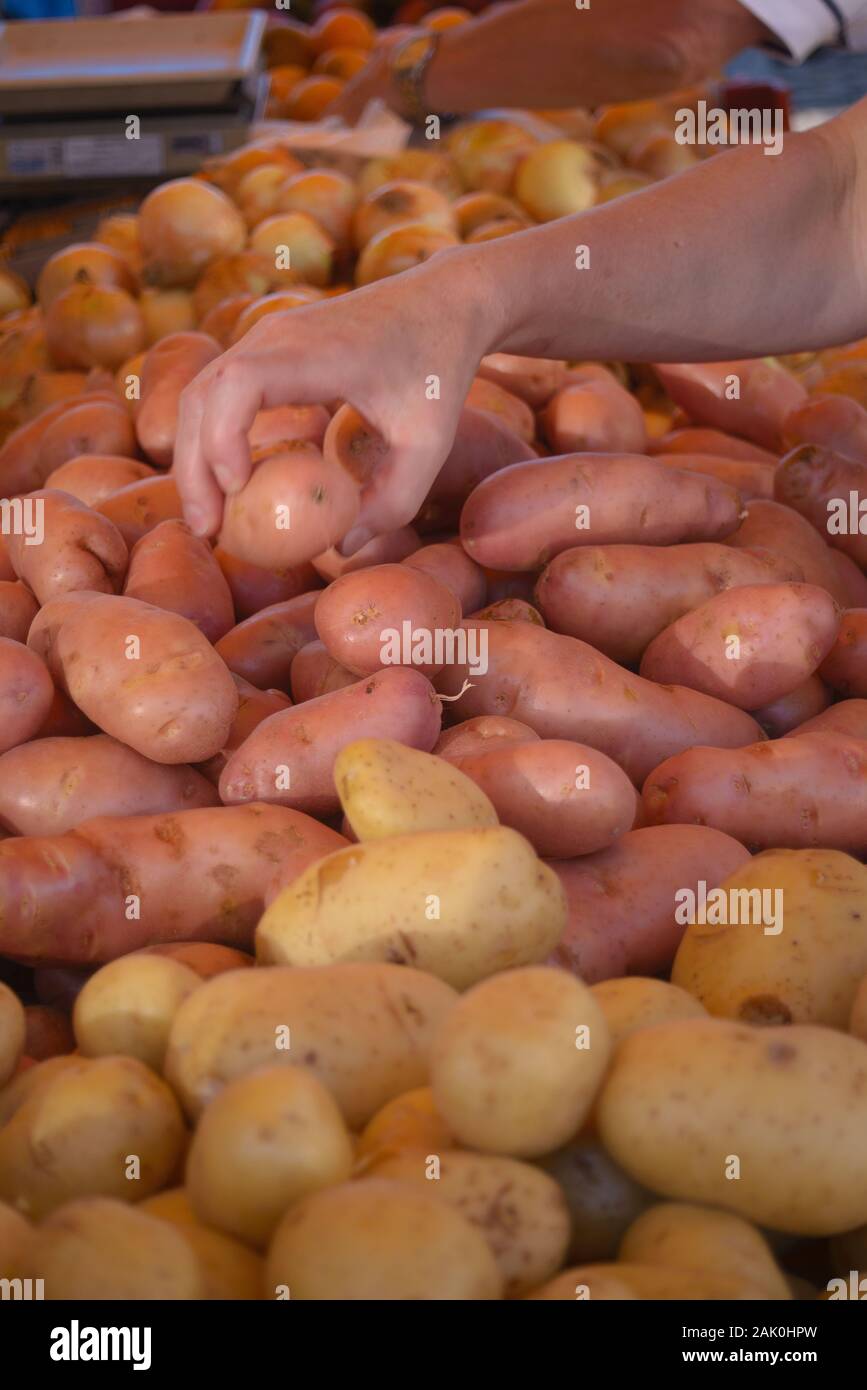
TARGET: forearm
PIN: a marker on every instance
(548, 53)
(745, 256)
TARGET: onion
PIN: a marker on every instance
(272, 304)
(82, 263)
(325, 195)
(165, 312)
(182, 226)
(14, 292)
(245, 273)
(296, 238)
(93, 326)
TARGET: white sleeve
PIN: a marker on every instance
(805, 25)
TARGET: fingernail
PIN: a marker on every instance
(197, 521)
(354, 540)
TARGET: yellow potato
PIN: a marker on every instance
(364, 1030)
(16, 1234)
(603, 1200)
(172, 1204)
(96, 1248)
(459, 904)
(108, 1128)
(858, 1016)
(227, 1267)
(263, 1143)
(676, 1235)
(770, 1123)
(804, 964)
(517, 1062)
(30, 1082)
(519, 1210)
(409, 1122)
(382, 1241)
(388, 789)
(128, 1005)
(630, 1281)
(12, 1031)
(635, 1002)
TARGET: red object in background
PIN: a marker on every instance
(742, 94)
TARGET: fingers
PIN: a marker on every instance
(201, 498)
(233, 398)
(395, 492)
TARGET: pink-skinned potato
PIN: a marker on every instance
(64, 719)
(263, 647)
(845, 666)
(147, 677)
(846, 717)
(297, 503)
(565, 798)
(565, 689)
(515, 412)
(695, 440)
(850, 581)
(476, 735)
(448, 562)
(361, 618)
(26, 692)
(139, 507)
(51, 785)
(18, 608)
(798, 707)
(831, 492)
(289, 758)
(315, 672)
(534, 379)
(484, 444)
(253, 706)
(622, 901)
(167, 369)
(789, 793)
(107, 430)
(94, 477)
(388, 549)
(596, 415)
(522, 517)
(751, 398)
(618, 597)
(253, 587)
(830, 422)
(769, 525)
(79, 549)
(42, 637)
(285, 422)
(748, 646)
(751, 477)
(173, 569)
(81, 882)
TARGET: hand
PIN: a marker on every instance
(378, 348)
(374, 79)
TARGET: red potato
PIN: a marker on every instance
(495, 400)
(314, 673)
(289, 758)
(751, 479)
(297, 503)
(79, 549)
(793, 793)
(387, 615)
(253, 706)
(483, 445)
(253, 588)
(18, 608)
(94, 477)
(846, 717)
(263, 647)
(770, 526)
(139, 507)
(618, 597)
(850, 581)
(64, 720)
(53, 784)
(565, 798)
(147, 677)
(64, 899)
(449, 563)
(509, 610)
(505, 584)
(748, 646)
(790, 711)
(750, 398)
(564, 689)
(289, 423)
(49, 1033)
(6, 570)
(173, 569)
(477, 735)
(42, 637)
(534, 379)
(693, 440)
(168, 368)
(830, 422)
(525, 515)
(596, 415)
(26, 692)
(622, 900)
(845, 667)
(99, 424)
(831, 492)
(387, 549)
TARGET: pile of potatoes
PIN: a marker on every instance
(352, 911)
